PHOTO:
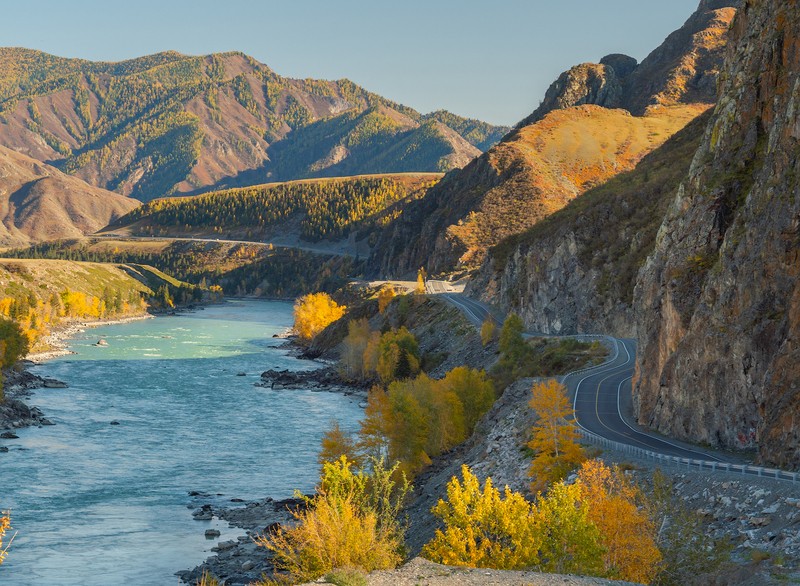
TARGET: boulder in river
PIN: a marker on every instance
(51, 383)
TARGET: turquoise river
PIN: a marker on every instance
(99, 504)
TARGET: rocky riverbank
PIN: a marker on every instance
(324, 379)
(241, 561)
(55, 341)
(14, 412)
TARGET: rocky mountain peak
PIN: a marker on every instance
(623, 65)
(682, 70)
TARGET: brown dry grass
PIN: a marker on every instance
(548, 164)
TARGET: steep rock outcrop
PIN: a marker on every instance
(684, 68)
(574, 272)
(588, 83)
(718, 302)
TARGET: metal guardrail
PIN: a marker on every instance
(690, 463)
(677, 461)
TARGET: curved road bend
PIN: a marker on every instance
(601, 393)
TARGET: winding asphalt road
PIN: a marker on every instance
(601, 394)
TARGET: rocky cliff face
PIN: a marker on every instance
(588, 83)
(718, 302)
(575, 271)
(682, 70)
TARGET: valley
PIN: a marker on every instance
(566, 347)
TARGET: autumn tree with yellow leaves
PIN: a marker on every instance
(598, 525)
(618, 509)
(385, 296)
(422, 276)
(419, 418)
(313, 313)
(337, 443)
(488, 331)
(487, 528)
(555, 439)
(351, 522)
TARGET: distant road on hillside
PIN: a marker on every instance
(321, 249)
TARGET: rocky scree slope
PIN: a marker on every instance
(171, 123)
(38, 202)
(718, 302)
(536, 169)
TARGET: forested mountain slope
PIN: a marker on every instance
(171, 123)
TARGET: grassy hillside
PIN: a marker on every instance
(236, 269)
(613, 226)
(533, 172)
(171, 123)
(315, 209)
(41, 294)
(39, 202)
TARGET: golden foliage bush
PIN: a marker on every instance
(484, 528)
(398, 355)
(206, 579)
(417, 419)
(599, 525)
(488, 331)
(385, 296)
(555, 439)
(355, 363)
(572, 543)
(337, 443)
(488, 529)
(422, 276)
(351, 522)
(617, 508)
(313, 313)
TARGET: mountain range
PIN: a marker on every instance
(655, 200)
(176, 124)
(38, 202)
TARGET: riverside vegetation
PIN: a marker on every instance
(235, 269)
(596, 522)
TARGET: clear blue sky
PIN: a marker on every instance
(487, 59)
